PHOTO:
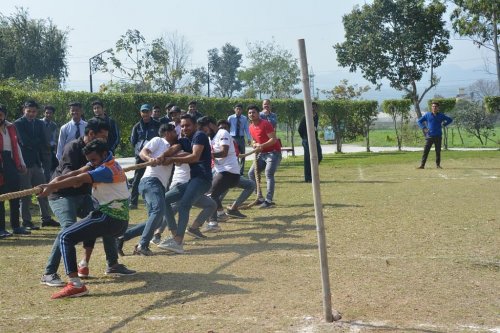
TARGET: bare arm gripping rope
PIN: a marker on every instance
(38, 189)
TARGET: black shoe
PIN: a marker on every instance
(50, 223)
(196, 233)
(119, 246)
(4, 233)
(119, 270)
(421, 167)
(438, 166)
(235, 213)
(139, 251)
(132, 206)
(21, 231)
(30, 226)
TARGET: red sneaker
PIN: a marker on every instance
(83, 271)
(71, 291)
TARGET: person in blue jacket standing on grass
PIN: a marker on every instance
(431, 123)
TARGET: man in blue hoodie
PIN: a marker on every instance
(431, 123)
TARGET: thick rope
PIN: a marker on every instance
(257, 183)
(38, 189)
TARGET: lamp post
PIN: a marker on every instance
(94, 64)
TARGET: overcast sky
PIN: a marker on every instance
(96, 26)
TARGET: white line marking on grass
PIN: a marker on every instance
(361, 173)
(443, 176)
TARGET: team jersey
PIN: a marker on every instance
(109, 188)
(157, 146)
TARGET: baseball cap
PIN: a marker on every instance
(145, 107)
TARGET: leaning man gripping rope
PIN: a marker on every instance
(109, 188)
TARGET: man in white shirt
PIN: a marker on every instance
(73, 129)
(152, 187)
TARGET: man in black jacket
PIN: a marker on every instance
(146, 129)
(305, 143)
(114, 131)
(31, 137)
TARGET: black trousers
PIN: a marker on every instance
(429, 141)
(11, 184)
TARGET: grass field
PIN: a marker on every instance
(409, 251)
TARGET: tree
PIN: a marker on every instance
(399, 110)
(31, 48)
(224, 70)
(478, 20)
(338, 112)
(363, 118)
(397, 40)
(475, 120)
(198, 79)
(482, 88)
(174, 76)
(273, 71)
(345, 91)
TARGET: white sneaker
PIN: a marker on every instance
(52, 280)
(170, 244)
(212, 226)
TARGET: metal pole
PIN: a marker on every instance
(208, 78)
(318, 207)
(90, 73)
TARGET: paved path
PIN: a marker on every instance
(327, 149)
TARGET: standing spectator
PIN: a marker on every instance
(268, 152)
(156, 115)
(31, 137)
(142, 133)
(175, 115)
(166, 119)
(49, 160)
(431, 123)
(238, 125)
(305, 143)
(73, 129)
(193, 110)
(267, 113)
(114, 131)
(12, 164)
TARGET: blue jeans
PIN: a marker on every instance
(66, 209)
(186, 194)
(307, 158)
(268, 162)
(153, 193)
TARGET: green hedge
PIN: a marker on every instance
(446, 105)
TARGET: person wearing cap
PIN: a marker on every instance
(12, 165)
(114, 131)
(305, 142)
(193, 110)
(31, 138)
(142, 132)
(51, 129)
(238, 125)
(73, 129)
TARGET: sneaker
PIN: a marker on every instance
(4, 233)
(266, 204)
(30, 226)
(156, 240)
(139, 251)
(196, 233)
(52, 280)
(119, 246)
(83, 271)
(119, 270)
(259, 201)
(50, 223)
(21, 231)
(71, 291)
(212, 226)
(438, 166)
(235, 213)
(421, 167)
(222, 217)
(171, 245)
